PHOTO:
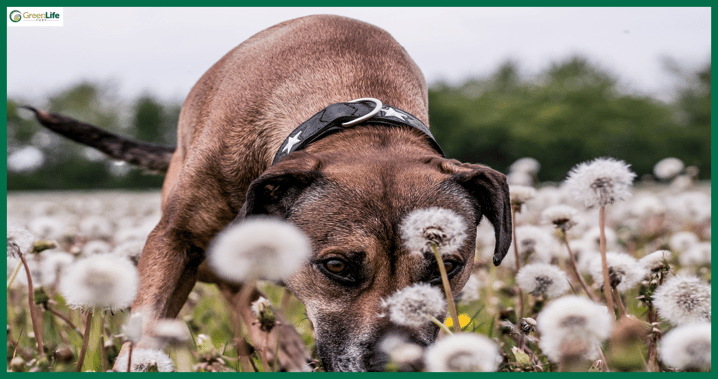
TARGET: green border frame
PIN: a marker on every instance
(366, 3)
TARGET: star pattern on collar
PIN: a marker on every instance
(291, 141)
(391, 112)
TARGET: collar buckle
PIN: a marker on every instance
(367, 116)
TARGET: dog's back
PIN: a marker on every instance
(283, 75)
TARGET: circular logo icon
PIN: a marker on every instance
(15, 16)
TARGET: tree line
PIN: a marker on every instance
(571, 112)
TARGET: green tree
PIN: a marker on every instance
(570, 113)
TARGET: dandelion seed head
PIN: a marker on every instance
(401, 351)
(96, 247)
(128, 234)
(647, 205)
(485, 241)
(668, 168)
(655, 259)
(561, 216)
(600, 182)
(692, 207)
(681, 183)
(541, 279)
(144, 359)
(440, 226)
(96, 226)
(624, 271)
(52, 263)
(683, 299)
(527, 164)
(413, 305)
(171, 331)
(259, 248)
(462, 352)
(697, 255)
(573, 320)
(19, 240)
(535, 242)
(519, 178)
(131, 249)
(101, 281)
(259, 305)
(47, 227)
(682, 241)
(520, 195)
(44, 208)
(133, 327)
(687, 346)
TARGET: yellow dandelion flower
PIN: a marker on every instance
(463, 321)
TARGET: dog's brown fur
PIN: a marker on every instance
(348, 192)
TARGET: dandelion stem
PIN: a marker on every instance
(129, 357)
(604, 362)
(574, 268)
(85, 341)
(653, 364)
(275, 363)
(447, 288)
(243, 349)
(63, 318)
(619, 303)
(604, 262)
(103, 353)
(36, 327)
(55, 326)
(263, 353)
(286, 296)
(516, 245)
(184, 359)
(520, 303)
(440, 324)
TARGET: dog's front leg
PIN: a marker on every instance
(168, 272)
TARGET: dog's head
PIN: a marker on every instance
(352, 205)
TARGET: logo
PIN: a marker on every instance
(35, 16)
(15, 16)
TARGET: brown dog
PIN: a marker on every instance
(348, 191)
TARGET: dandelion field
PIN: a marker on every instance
(658, 255)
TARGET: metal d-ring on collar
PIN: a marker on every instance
(338, 117)
(366, 116)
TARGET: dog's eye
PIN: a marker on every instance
(339, 270)
(448, 266)
(335, 266)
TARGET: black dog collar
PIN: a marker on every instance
(340, 116)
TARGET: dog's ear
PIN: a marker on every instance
(276, 191)
(490, 191)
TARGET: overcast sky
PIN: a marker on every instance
(164, 51)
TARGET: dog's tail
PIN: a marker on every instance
(146, 155)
